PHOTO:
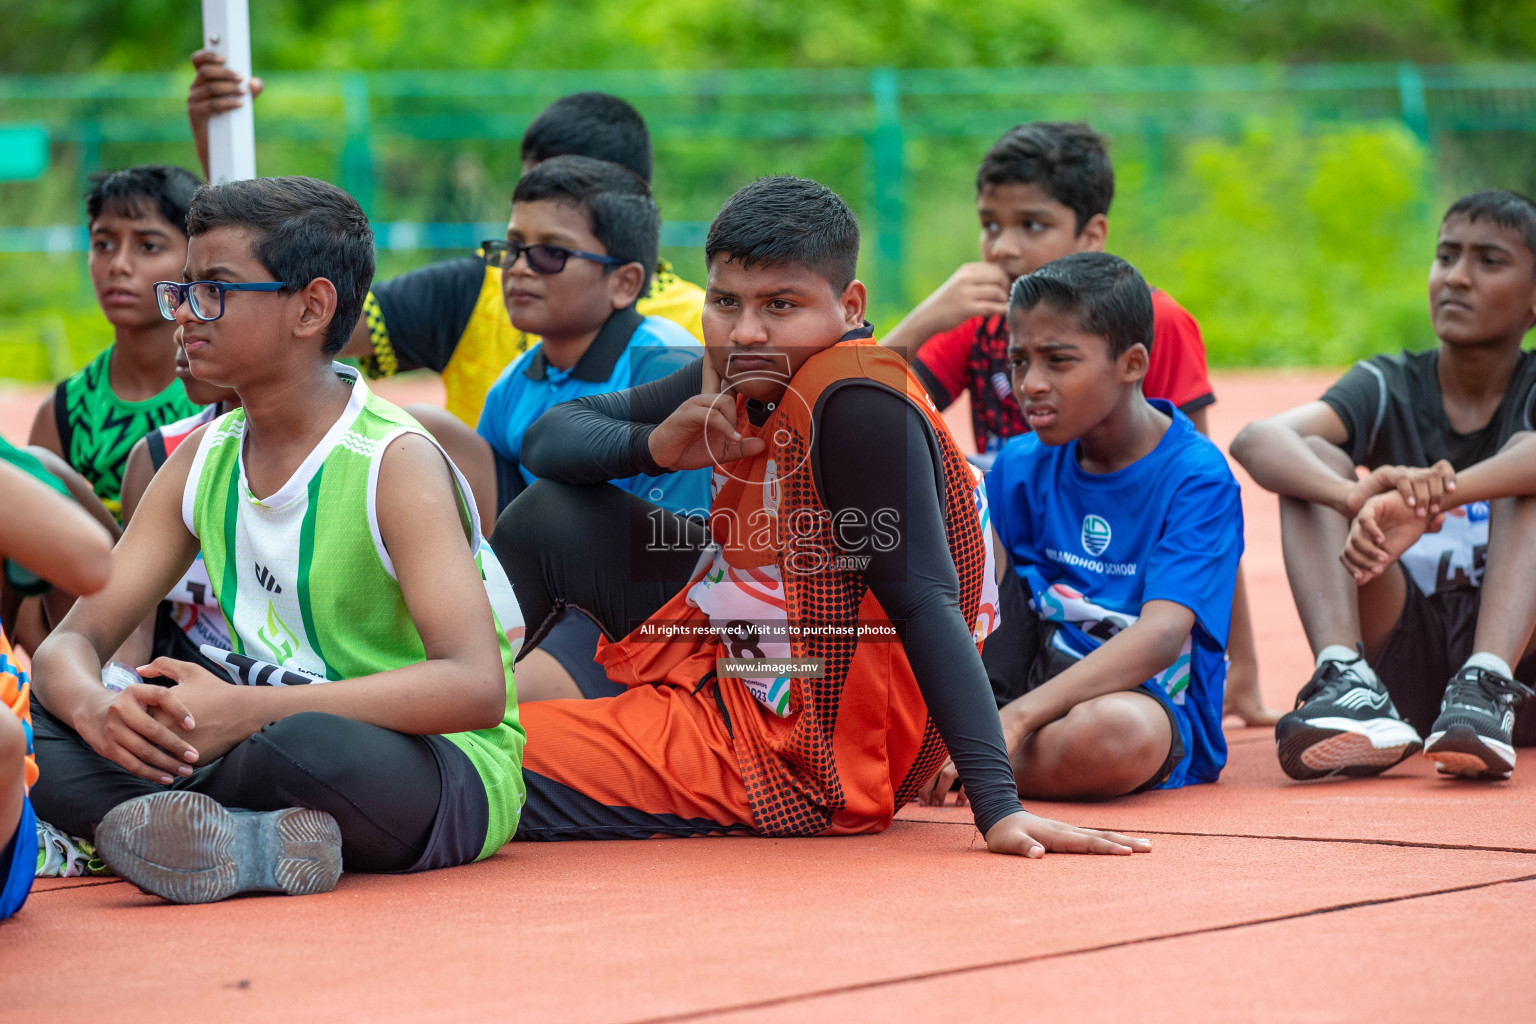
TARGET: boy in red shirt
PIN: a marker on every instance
(1043, 191)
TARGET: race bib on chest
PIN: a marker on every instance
(1453, 558)
(747, 611)
(1090, 625)
(987, 613)
(195, 610)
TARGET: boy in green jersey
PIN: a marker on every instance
(342, 547)
(138, 219)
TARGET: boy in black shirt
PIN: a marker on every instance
(1448, 495)
(448, 316)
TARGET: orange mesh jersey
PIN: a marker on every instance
(839, 753)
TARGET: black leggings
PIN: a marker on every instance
(565, 546)
(382, 787)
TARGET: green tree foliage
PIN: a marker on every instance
(79, 35)
(1295, 248)
(1292, 242)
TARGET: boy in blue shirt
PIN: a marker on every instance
(1121, 529)
(582, 236)
(579, 246)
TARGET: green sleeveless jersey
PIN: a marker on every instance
(97, 429)
(305, 582)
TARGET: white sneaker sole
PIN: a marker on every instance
(1319, 747)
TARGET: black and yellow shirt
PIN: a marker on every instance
(449, 317)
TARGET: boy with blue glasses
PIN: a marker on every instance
(342, 547)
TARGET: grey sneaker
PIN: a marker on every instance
(1344, 724)
(1473, 735)
(189, 848)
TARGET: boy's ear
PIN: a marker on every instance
(317, 304)
(853, 301)
(1094, 234)
(624, 284)
(1133, 363)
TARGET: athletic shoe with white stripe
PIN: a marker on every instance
(1344, 724)
(1473, 735)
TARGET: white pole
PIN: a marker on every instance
(231, 136)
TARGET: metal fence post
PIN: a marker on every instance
(1410, 91)
(356, 156)
(889, 187)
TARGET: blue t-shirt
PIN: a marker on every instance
(628, 350)
(1093, 548)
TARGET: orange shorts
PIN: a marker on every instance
(653, 761)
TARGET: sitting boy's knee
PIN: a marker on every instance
(305, 731)
(550, 515)
(13, 738)
(1333, 456)
(527, 524)
(1118, 735)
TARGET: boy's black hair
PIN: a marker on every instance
(782, 221)
(303, 229)
(1507, 209)
(167, 190)
(618, 204)
(592, 124)
(1067, 160)
(1108, 295)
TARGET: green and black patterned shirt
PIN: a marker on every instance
(97, 429)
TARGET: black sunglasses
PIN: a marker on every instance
(542, 259)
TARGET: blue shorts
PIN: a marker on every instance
(1181, 749)
(19, 862)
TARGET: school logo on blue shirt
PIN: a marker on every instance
(1096, 534)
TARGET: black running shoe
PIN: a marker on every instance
(1343, 724)
(189, 848)
(1472, 736)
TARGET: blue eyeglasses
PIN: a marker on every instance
(206, 297)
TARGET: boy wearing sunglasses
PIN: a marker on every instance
(342, 549)
(582, 236)
(574, 261)
(448, 316)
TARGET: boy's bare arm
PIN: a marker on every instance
(78, 487)
(1388, 524)
(1508, 473)
(45, 429)
(1278, 454)
(976, 289)
(51, 536)
(154, 552)
(459, 686)
(137, 473)
(1124, 662)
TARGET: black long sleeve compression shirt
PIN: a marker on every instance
(859, 465)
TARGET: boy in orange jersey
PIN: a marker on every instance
(800, 666)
